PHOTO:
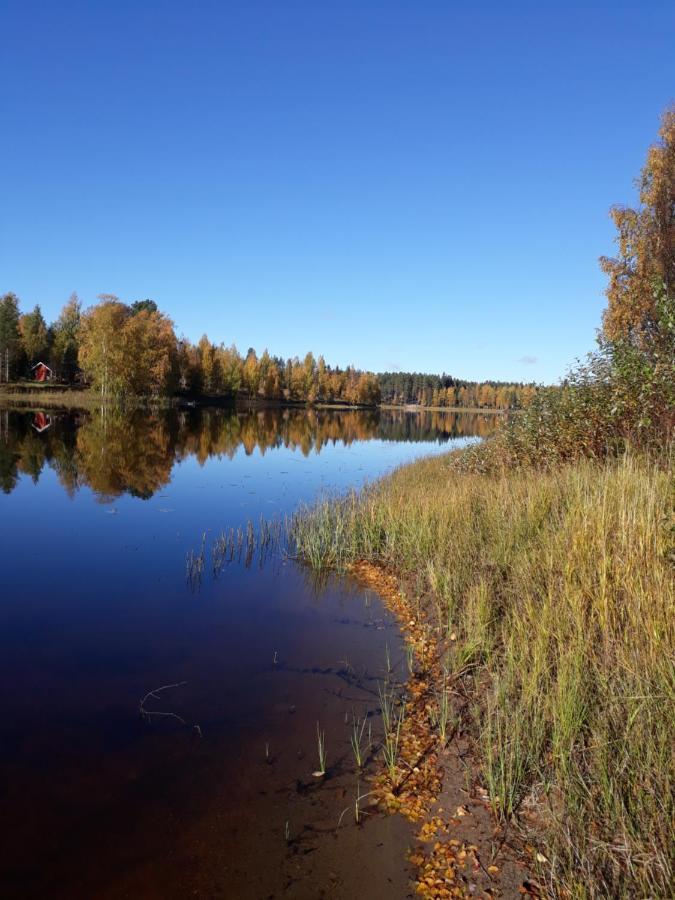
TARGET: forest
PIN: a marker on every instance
(130, 350)
(403, 388)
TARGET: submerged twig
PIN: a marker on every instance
(147, 713)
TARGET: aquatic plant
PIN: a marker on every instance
(359, 749)
(392, 720)
(358, 812)
(261, 541)
(388, 659)
(321, 752)
(195, 565)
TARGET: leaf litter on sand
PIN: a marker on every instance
(418, 779)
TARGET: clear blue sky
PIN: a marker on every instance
(416, 185)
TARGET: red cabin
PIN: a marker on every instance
(42, 372)
(41, 422)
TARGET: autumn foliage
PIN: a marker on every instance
(126, 352)
(645, 264)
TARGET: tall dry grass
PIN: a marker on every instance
(35, 396)
(558, 587)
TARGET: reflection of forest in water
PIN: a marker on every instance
(115, 453)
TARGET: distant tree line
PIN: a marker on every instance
(402, 388)
(132, 350)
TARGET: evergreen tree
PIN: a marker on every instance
(65, 339)
(10, 338)
(33, 330)
(143, 306)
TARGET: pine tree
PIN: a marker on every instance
(10, 338)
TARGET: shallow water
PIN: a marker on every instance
(97, 515)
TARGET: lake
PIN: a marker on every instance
(205, 788)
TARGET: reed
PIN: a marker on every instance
(360, 748)
(321, 752)
(444, 711)
(194, 565)
(410, 658)
(392, 721)
(358, 812)
(262, 542)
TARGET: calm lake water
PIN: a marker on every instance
(97, 515)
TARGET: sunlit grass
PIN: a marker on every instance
(29, 395)
(558, 590)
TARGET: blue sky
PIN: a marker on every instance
(415, 185)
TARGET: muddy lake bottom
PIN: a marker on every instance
(216, 797)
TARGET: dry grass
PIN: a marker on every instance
(558, 588)
(28, 396)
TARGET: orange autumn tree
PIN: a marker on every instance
(124, 352)
(644, 268)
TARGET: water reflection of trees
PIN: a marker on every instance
(114, 453)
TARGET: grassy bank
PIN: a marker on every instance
(28, 396)
(552, 596)
(44, 397)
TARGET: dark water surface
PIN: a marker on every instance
(97, 514)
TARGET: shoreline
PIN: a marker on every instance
(65, 397)
(525, 592)
(411, 407)
(454, 841)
